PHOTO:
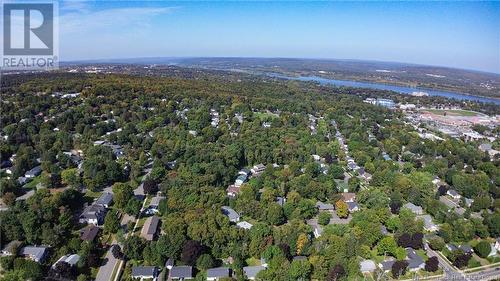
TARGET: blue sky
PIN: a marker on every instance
(455, 34)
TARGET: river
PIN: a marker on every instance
(379, 86)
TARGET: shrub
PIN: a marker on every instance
(324, 218)
(483, 249)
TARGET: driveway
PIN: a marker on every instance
(106, 270)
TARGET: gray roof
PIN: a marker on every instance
(181, 272)
(367, 265)
(387, 265)
(34, 172)
(299, 258)
(36, 252)
(230, 213)
(89, 233)
(452, 192)
(94, 212)
(414, 260)
(218, 272)
(352, 205)
(324, 206)
(156, 200)
(150, 227)
(414, 208)
(252, 271)
(466, 248)
(105, 199)
(138, 271)
(70, 259)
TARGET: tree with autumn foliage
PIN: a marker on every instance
(342, 209)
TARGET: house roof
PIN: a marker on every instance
(299, 258)
(452, 192)
(150, 226)
(387, 265)
(324, 206)
(181, 272)
(218, 272)
(105, 199)
(229, 212)
(70, 259)
(89, 233)
(138, 271)
(348, 196)
(252, 271)
(244, 224)
(414, 208)
(367, 265)
(466, 248)
(34, 172)
(36, 252)
(414, 260)
(352, 205)
(94, 212)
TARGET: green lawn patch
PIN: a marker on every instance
(252, 261)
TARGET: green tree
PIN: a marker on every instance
(112, 222)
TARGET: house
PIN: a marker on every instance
(415, 262)
(453, 194)
(93, 214)
(240, 180)
(33, 172)
(11, 248)
(349, 197)
(34, 253)
(252, 271)
(317, 229)
(280, 200)
(468, 202)
(367, 266)
(451, 247)
(353, 206)
(232, 190)
(150, 228)
(493, 251)
(230, 213)
(257, 169)
(69, 259)
(105, 200)
(497, 244)
(467, 249)
(181, 272)
(89, 233)
(245, 172)
(214, 274)
(383, 230)
(300, 258)
(417, 210)
(244, 225)
(145, 273)
(324, 206)
(386, 265)
(429, 224)
(386, 156)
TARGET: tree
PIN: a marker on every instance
(150, 186)
(483, 249)
(191, 251)
(112, 222)
(122, 193)
(117, 252)
(205, 262)
(387, 245)
(9, 198)
(324, 218)
(436, 243)
(432, 264)
(462, 260)
(274, 214)
(336, 273)
(133, 247)
(442, 190)
(71, 177)
(399, 268)
(404, 240)
(342, 209)
(299, 270)
(301, 242)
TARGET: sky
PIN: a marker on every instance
(454, 34)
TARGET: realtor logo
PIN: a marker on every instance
(29, 35)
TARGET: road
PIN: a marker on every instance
(106, 270)
(484, 275)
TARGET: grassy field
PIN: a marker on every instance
(452, 112)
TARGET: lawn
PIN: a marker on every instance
(456, 112)
(265, 115)
(32, 184)
(252, 261)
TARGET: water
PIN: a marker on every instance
(379, 86)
